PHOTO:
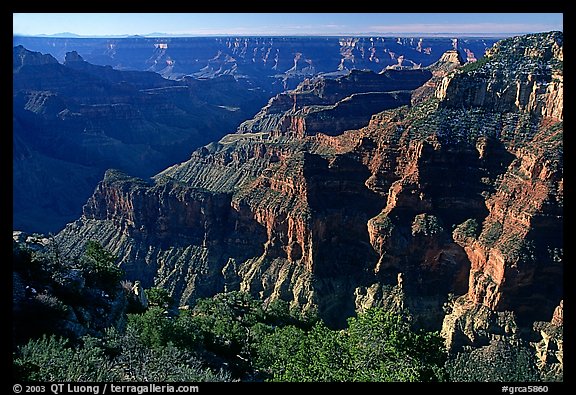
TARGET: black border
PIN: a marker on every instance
(329, 6)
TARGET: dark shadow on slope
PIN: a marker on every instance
(341, 206)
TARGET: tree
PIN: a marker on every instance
(279, 313)
(187, 332)
(278, 354)
(136, 361)
(325, 356)
(225, 321)
(99, 266)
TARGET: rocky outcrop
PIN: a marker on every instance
(54, 296)
(448, 62)
(549, 346)
(520, 246)
(516, 260)
(518, 77)
(331, 106)
(505, 350)
(170, 215)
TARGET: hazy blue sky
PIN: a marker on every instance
(282, 23)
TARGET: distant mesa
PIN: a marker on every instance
(273, 63)
(23, 57)
(73, 57)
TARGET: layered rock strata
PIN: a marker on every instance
(449, 210)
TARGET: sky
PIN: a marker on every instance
(87, 24)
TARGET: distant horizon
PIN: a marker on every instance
(117, 25)
(344, 34)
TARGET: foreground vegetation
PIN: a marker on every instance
(231, 336)
(78, 321)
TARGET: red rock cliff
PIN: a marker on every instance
(449, 210)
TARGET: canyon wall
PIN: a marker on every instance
(449, 209)
(279, 63)
(73, 121)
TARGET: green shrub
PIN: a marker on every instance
(254, 343)
(468, 67)
(159, 297)
(292, 354)
(116, 357)
(377, 346)
(426, 224)
(383, 347)
(153, 327)
(466, 230)
(52, 359)
(138, 362)
(279, 313)
(491, 233)
(186, 331)
(225, 320)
